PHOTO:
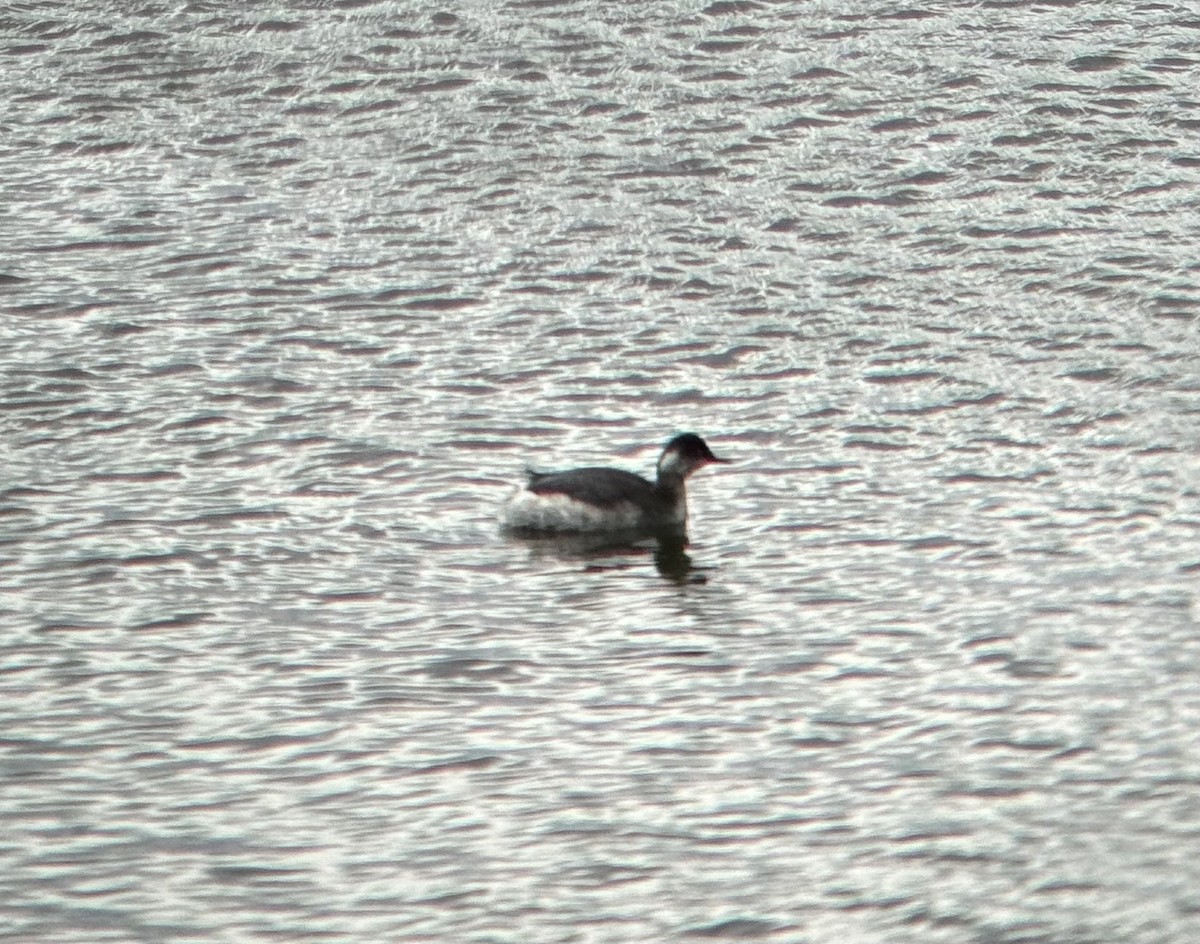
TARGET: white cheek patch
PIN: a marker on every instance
(671, 463)
(536, 512)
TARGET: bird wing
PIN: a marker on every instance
(602, 488)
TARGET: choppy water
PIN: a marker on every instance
(289, 295)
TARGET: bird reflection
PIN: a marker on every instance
(614, 550)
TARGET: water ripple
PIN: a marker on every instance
(292, 295)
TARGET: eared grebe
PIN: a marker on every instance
(598, 499)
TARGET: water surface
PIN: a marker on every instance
(291, 295)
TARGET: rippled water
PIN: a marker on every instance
(291, 293)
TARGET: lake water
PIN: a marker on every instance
(290, 294)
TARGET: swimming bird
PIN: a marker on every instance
(601, 499)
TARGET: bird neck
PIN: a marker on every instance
(670, 480)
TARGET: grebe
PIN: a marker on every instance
(598, 499)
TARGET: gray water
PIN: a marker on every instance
(291, 293)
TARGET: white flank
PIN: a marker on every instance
(527, 509)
